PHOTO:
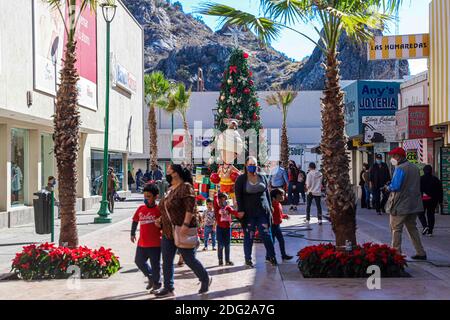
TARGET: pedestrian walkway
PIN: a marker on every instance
(430, 280)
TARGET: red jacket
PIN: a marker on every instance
(217, 210)
(278, 215)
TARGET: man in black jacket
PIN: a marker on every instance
(379, 177)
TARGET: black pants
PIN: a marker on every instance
(380, 199)
(141, 260)
(427, 218)
(110, 198)
(223, 243)
(317, 199)
(363, 197)
(278, 235)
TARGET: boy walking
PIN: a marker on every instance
(278, 196)
(149, 244)
(209, 228)
(223, 214)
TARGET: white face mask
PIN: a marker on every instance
(394, 162)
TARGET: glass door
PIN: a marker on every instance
(19, 166)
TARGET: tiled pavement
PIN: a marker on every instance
(430, 280)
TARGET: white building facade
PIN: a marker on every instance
(31, 41)
(304, 126)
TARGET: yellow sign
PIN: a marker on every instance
(412, 157)
(415, 46)
(358, 143)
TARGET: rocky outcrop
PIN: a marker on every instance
(178, 44)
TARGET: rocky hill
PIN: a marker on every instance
(178, 44)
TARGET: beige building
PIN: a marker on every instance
(31, 41)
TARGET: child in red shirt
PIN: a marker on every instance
(223, 214)
(149, 244)
(278, 196)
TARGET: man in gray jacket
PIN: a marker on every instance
(405, 202)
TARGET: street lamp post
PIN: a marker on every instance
(109, 11)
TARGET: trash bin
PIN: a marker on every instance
(42, 212)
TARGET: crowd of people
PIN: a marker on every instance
(169, 227)
(258, 206)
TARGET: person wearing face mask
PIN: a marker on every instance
(149, 244)
(255, 209)
(405, 202)
(178, 209)
(379, 176)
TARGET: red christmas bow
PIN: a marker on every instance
(233, 69)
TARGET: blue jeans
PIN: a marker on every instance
(278, 235)
(368, 193)
(209, 231)
(141, 260)
(293, 194)
(224, 242)
(169, 251)
(263, 224)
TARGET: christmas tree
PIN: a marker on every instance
(238, 98)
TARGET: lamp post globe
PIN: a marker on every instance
(109, 12)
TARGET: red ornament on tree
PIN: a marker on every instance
(233, 90)
(228, 110)
(251, 82)
(246, 90)
(257, 104)
(245, 55)
(250, 74)
(255, 116)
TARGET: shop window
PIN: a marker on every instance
(115, 161)
(19, 166)
(47, 158)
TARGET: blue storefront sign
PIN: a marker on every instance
(369, 99)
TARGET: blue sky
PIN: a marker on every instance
(413, 19)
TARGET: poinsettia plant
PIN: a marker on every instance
(325, 261)
(47, 261)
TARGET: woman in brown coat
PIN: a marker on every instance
(179, 202)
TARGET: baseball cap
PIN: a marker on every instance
(398, 151)
(379, 156)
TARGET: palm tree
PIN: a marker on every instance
(358, 19)
(283, 99)
(156, 90)
(179, 102)
(67, 118)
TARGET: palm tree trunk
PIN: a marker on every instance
(66, 139)
(153, 133)
(284, 157)
(341, 200)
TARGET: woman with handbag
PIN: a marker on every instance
(179, 225)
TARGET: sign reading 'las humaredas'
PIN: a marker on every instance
(415, 46)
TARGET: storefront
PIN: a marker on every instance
(370, 108)
(115, 161)
(439, 79)
(28, 79)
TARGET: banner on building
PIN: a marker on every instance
(49, 43)
(379, 129)
(414, 46)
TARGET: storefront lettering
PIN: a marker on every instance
(378, 103)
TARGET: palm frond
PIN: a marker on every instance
(264, 28)
(288, 11)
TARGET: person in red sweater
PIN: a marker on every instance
(223, 214)
(149, 244)
(278, 196)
